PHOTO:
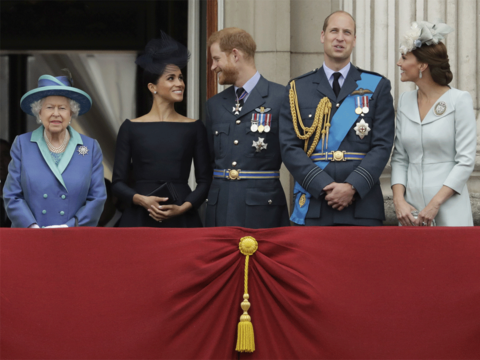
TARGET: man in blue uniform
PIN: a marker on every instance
(242, 128)
(336, 133)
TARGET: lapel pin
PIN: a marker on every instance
(362, 92)
(82, 150)
(440, 108)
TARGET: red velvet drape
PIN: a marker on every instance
(316, 293)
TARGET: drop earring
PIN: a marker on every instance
(420, 75)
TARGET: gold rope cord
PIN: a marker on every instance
(321, 122)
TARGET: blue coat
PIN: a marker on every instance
(38, 191)
(368, 207)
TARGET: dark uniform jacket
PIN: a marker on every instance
(368, 207)
(248, 203)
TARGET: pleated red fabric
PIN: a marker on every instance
(316, 293)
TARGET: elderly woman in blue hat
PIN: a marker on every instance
(55, 178)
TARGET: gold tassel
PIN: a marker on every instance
(245, 337)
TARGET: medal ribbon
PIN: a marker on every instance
(268, 119)
(242, 96)
(357, 99)
(342, 121)
(254, 119)
(365, 101)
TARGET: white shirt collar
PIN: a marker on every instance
(249, 85)
(329, 73)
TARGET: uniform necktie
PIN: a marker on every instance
(241, 93)
(336, 84)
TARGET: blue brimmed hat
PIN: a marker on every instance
(55, 86)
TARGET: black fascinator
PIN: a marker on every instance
(162, 52)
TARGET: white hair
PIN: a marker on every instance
(37, 107)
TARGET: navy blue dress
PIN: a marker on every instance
(159, 152)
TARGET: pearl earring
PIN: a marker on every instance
(155, 92)
(420, 75)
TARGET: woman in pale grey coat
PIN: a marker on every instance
(435, 136)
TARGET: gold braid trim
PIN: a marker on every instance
(319, 126)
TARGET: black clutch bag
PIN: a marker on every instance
(166, 190)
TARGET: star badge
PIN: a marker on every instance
(236, 109)
(362, 129)
(82, 150)
(259, 145)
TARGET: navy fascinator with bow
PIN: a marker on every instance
(162, 52)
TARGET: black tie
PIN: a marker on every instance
(240, 92)
(336, 84)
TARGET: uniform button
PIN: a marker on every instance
(44, 212)
(62, 213)
(63, 197)
(238, 122)
(236, 142)
(234, 163)
(338, 105)
(269, 202)
(216, 132)
(45, 196)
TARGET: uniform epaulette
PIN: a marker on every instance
(306, 74)
(369, 72)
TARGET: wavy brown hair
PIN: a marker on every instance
(232, 37)
(437, 59)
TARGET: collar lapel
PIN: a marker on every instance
(410, 109)
(350, 83)
(432, 116)
(256, 97)
(37, 136)
(75, 139)
(229, 99)
(324, 87)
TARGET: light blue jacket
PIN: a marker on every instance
(38, 191)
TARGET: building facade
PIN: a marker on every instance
(287, 33)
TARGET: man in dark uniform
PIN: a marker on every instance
(336, 150)
(242, 128)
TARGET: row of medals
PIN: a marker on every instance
(259, 128)
(364, 109)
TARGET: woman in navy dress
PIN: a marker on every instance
(159, 147)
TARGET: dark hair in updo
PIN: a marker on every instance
(436, 57)
(159, 54)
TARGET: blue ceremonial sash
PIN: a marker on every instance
(341, 123)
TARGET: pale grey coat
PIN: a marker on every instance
(440, 150)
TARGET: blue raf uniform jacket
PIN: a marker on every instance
(368, 207)
(248, 203)
(37, 191)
